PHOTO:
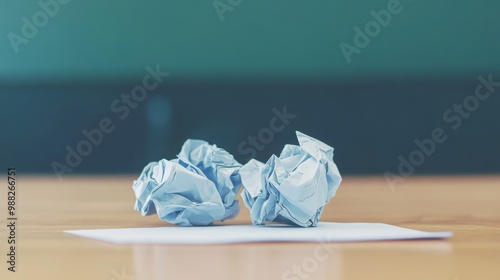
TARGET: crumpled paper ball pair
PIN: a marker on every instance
(200, 186)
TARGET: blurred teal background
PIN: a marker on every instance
(102, 40)
(228, 75)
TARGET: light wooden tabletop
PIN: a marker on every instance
(468, 206)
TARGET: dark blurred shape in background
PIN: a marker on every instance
(230, 79)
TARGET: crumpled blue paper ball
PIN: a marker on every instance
(196, 189)
(292, 188)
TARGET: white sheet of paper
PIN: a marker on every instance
(324, 232)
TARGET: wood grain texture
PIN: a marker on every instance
(468, 206)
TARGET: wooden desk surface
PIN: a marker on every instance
(468, 206)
